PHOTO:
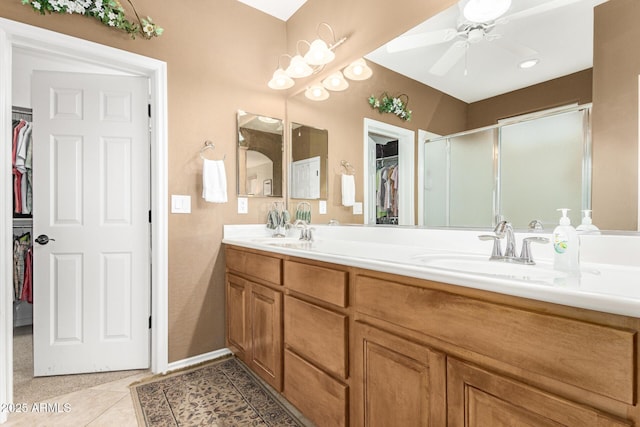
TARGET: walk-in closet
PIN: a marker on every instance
(387, 179)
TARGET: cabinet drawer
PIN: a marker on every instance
(318, 334)
(594, 357)
(318, 282)
(319, 397)
(259, 266)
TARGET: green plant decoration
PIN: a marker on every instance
(109, 12)
(397, 105)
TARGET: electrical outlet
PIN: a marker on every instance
(243, 205)
(322, 207)
(357, 208)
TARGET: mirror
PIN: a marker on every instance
(308, 167)
(260, 155)
(436, 112)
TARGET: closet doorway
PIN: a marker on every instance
(16, 38)
(389, 174)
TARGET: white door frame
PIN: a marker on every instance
(406, 161)
(15, 34)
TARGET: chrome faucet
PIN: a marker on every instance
(504, 229)
(306, 232)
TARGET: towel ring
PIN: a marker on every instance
(346, 165)
(208, 145)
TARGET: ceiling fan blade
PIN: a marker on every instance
(414, 41)
(541, 8)
(448, 59)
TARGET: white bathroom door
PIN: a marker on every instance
(91, 199)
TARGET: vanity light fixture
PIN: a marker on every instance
(316, 93)
(298, 67)
(358, 70)
(280, 79)
(335, 82)
(528, 63)
(320, 53)
(484, 10)
(317, 56)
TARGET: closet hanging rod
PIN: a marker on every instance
(21, 110)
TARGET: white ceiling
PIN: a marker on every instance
(281, 9)
(561, 38)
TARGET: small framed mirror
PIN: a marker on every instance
(260, 155)
(308, 168)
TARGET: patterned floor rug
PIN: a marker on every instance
(220, 394)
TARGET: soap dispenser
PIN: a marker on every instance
(566, 246)
(587, 226)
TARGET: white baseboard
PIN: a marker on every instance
(185, 363)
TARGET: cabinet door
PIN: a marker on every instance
(265, 306)
(481, 398)
(237, 316)
(397, 382)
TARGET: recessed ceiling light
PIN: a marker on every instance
(528, 63)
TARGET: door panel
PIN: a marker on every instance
(91, 197)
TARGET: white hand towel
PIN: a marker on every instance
(214, 181)
(348, 190)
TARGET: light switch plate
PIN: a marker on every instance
(357, 208)
(322, 207)
(243, 205)
(180, 204)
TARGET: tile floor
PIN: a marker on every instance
(104, 405)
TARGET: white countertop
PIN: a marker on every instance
(610, 264)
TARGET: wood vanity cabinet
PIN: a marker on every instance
(254, 312)
(365, 348)
(316, 340)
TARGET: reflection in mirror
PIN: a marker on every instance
(309, 154)
(533, 166)
(260, 153)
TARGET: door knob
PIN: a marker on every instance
(43, 239)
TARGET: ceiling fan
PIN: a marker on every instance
(467, 32)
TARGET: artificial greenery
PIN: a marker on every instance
(109, 12)
(395, 105)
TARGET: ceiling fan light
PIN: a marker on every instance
(319, 53)
(528, 63)
(358, 70)
(316, 93)
(335, 82)
(298, 68)
(280, 80)
(484, 10)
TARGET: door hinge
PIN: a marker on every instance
(149, 110)
(149, 216)
(149, 322)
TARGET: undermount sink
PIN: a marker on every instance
(285, 242)
(477, 264)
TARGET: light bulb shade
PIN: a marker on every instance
(358, 70)
(316, 93)
(280, 80)
(335, 82)
(319, 53)
(484, 10)
(298, 68)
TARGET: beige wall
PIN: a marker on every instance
(219, 59)
(574, 88)
(615, 115)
